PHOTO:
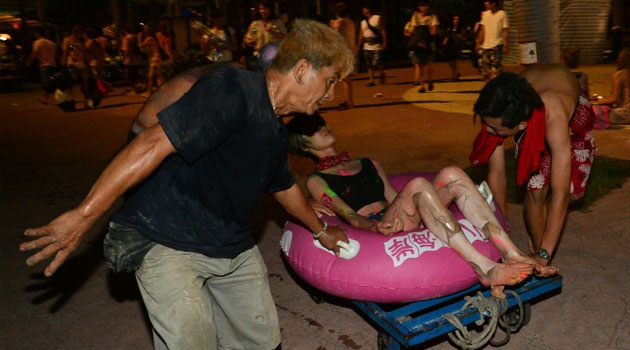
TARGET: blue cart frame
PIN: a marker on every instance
(405, 329)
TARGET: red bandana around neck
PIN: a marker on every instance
(530, 152)
(331, 161)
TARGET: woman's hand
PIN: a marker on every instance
(390, 227)
(362, 222)
(320, 209)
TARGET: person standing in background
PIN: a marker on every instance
(74, 57)
(131, 57)
(373, 40)
(265, 29)
(493, 40)
(346, 27)
(151, 47)
(453, 41)
(422, 33)
(220, 41)
(165, 40)
(45, 51)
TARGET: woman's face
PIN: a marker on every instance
(456, 20)
(264, 11)
(321, 139)
(494, 126)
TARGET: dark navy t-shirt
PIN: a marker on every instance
(231, 148)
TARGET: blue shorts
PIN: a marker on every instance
(376, 217)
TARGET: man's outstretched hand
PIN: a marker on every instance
(330, 238)
(59, 238)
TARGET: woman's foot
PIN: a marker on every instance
(502, 275)
(541, 266)
(430, 86)
(370, 84)
(416, 83)
(422, 90)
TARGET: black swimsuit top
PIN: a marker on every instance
(358, 190)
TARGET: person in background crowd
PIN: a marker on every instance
(493, 39)
(165, 39)
(151, 48)
(45, 51)
(422, 35)
(346, 27)
(570, 58)
(95, 54)
(131, 57)
(220, 44)
(74, 58)
(615, 109)
(454, 39)
(265, 29)
(373, 41)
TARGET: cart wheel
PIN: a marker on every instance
(513, 317)
(386, 342)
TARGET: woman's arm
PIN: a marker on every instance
(319, 190)
(616, 91)
(497, 178)
(390, 191)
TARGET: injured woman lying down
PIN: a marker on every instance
(359, 191)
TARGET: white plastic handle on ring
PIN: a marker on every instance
(347, 251)
(485, 191)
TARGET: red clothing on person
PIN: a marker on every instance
(534, 162)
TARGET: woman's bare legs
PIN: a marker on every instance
(453, 184)
(418, 200)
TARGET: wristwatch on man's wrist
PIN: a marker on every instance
(543, 253)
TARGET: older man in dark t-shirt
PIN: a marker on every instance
(202, 170)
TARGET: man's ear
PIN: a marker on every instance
(522, 125)
(301, 69)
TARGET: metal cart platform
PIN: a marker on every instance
(404, 326)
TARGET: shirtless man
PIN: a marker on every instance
(551, 121)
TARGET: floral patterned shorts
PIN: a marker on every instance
(582, 151)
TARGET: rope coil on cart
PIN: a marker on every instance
(491, 307)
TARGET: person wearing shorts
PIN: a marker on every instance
(492, 40)
(551, 121)
(373, 41)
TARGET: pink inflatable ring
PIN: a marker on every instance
(404, 267)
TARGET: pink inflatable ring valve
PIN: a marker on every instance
(404, 267)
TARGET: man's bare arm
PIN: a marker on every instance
(557, 137)
(295, 203)
(134, 163)
(497, 178)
